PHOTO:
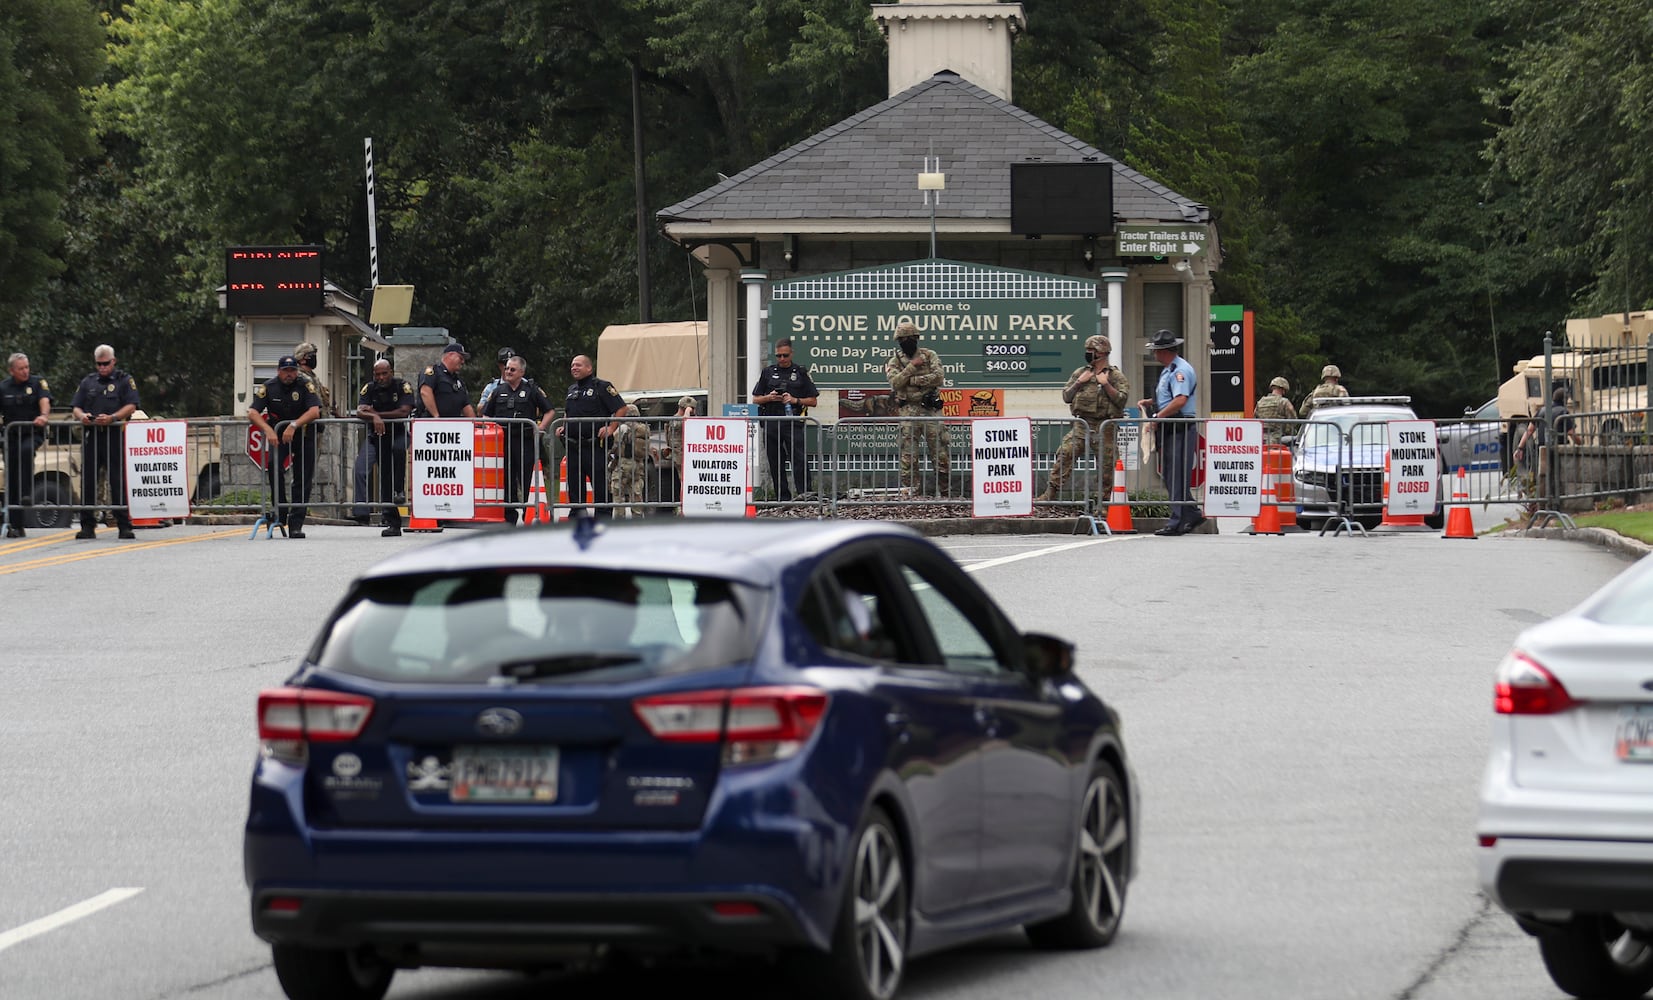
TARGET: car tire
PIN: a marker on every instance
(329, 974)
(1102, 861)
(48, 495)
(869, 942)
(1596, 957)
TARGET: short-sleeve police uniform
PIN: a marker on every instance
(279, 402)
(449, 390)
(784, 439)
(387, 452)
(589, 397)
(526, 402)
(103, 449)
(19, 408)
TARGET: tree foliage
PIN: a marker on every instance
(49, 50)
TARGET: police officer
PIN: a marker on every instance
(915, 378)
(1276, 406)
(25, 400)
(586, 439)
(1174, 409)
(785, 390)
(384, 403)
(505, 354)
(286, 399)
(1095, 393)
(518, 399)
(441, 391)
(103, 400)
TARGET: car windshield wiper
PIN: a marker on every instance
(568, 663)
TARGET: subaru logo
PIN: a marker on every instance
(498, 722)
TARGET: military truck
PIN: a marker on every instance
(57, 474)
(1603, 367)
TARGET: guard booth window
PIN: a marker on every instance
(1161, 308)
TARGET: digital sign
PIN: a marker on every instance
(1052, 199)
(273, 281)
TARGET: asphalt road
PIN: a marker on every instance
(1307, 716)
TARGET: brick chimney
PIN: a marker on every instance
(970, 37)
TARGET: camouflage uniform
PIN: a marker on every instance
(1092, 406)
(1273, 407)
(628, 459)
(1322, 391)
(911, 379)
(308, 377)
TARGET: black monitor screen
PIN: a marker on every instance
(1061, 199)
(272, 281)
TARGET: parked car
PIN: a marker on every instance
(1337, 460)
(816, 741)
(1478, 442)
(1566, 821)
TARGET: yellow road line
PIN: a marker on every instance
(62, 558)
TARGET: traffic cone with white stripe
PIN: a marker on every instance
(1119, 506)
(538, 510)
(1459, 524)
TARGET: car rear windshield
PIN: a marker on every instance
(539, 625)
(1629, 602)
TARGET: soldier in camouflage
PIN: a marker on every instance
(916, 377)
(1275, 406)
(1095, 393)
(1328, 387)
(628, 459)
(307, 354)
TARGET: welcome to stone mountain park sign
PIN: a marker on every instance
(992, 326)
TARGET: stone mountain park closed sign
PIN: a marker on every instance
(992, 326)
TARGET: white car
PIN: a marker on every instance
(1566, 812)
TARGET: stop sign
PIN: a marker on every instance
(257, 452)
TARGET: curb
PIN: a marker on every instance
(1626, 548)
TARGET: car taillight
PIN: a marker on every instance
(288, 718)
(1525, 688)
(757, 724)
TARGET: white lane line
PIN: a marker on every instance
(67, 915)
(1052, 550)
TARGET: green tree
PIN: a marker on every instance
(49, 50)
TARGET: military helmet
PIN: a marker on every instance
(906, 329)
(1330, 371)
(305, 350)
(1099, 344)
(1279, 382)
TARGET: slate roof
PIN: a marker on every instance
(866, 166)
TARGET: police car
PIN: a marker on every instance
(1337, 460)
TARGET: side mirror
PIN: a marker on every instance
(1047, 657)
(1289, 440)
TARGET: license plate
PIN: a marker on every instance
(1633, 736)
(504, 774)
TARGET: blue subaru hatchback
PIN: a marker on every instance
(816, 741)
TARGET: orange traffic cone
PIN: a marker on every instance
(1458, 522)
(1267, 521)
(538, 510)
(1119, 506)
(561, 511)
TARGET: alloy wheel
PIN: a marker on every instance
(1103, 838)
(880, 911)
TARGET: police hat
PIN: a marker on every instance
(1164, 340)
(1279, 382)
(456, 348)
(287, 361)
(505, 354)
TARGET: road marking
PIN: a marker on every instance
(1050, 550)
(62, 558)
(67, 915)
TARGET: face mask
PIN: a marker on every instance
(1090, 357)
(909, 345)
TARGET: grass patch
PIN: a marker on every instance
(1637, 524)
